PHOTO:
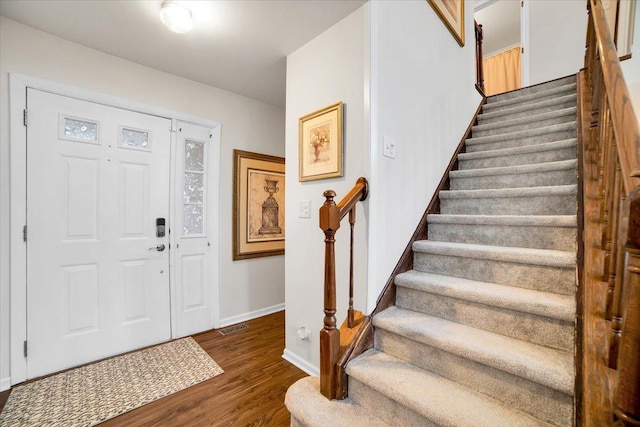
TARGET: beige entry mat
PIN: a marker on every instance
(94, 393)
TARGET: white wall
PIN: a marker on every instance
(400, 73)
(422, 95)
(245, 286)
(328, 69)
(557, 34)
(631, 67)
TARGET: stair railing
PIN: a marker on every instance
(331, 214)
(479, 58)
(615, 140)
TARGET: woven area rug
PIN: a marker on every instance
(94, 393)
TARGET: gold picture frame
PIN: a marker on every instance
(451, 12)
(258, 205)
(320, 144)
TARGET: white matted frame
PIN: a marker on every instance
(18, 85)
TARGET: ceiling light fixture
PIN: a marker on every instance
(176, 17)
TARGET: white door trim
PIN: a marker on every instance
(18, 84)
(525, 61)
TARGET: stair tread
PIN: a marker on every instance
(529, 106)
(546, 257)
(543, 365)
(570, 112)
(511, 151)
(494, 103)
(308, 405)
(514, 220)
(551, 190)
(523, 133)
(555, 306)
(436, 398)
(517, 169)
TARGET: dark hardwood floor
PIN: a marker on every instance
(249, 393)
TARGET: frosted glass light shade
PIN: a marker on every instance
(176, 17)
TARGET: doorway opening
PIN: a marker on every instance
(502, 47)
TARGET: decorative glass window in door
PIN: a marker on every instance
(76, 129)
(193, 199)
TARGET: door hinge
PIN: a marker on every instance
(24, 348)
(521, 50)
(24, 117)
(521, 3)
(24, 233)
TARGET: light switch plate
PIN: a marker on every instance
(304, 209)
(389, 147)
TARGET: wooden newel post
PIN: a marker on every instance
(329, 335)
(479, 58)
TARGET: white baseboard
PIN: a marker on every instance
(251, 315)
(5, 383)
(296, 360)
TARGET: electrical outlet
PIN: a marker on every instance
(304, 334)
(304, 209)
(389, 147)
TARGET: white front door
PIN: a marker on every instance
(97, 184)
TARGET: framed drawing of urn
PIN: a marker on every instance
(258, 205)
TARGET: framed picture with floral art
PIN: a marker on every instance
(320, 144)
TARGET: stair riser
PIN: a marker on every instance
(516, 180)
(525, 326)
(536, 157)
(529, 276)
(541, 401)
(560, 238)
(533, 89)
(385, 408)
(548, 107)
(478, 132)
(522, 142)
(530, 205)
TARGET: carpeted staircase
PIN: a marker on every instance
(482, 333)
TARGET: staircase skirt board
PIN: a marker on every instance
(483, 328)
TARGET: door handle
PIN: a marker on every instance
(158, 248)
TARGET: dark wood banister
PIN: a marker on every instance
(331, 214)
(479, 57)
(613, 137)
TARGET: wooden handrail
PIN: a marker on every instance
(331, 214)
(625, 124)
(613, 137)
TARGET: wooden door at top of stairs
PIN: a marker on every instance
(97, 273)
